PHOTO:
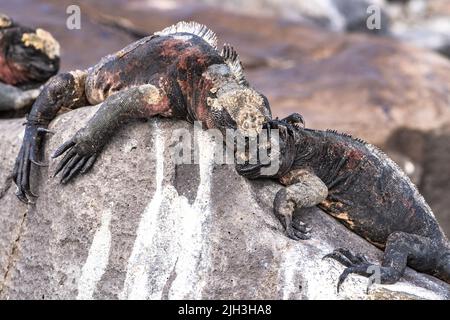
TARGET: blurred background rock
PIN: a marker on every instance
(389, 86)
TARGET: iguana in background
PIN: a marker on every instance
(28, 58)
(177, 72)
(364, 189)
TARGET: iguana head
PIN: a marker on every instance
(242, 108)
(234, 103)
(32, 55)
(281, 150)
(42, 41)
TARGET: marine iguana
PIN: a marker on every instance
(177, 72)
(364, 189)
(28, 58)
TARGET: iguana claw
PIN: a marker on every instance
(361, 269)
(296, 234)
(76, 161)
(28, 155)
(355, 263)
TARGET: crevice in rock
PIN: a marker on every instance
(170, 280)
(13, 255)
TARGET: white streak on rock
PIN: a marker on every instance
(288, 272)
(194, 257)
(97, 259)
(170, 253)
(136, 280)
(317, 283)
(408, 290)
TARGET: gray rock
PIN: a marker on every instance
(424, 156)
(137, 226)
(433, 34)
(360, 15)
(425, 23)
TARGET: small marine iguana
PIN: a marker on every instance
(177, 72)
(361, 187)
(28, 58)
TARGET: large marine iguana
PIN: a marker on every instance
(28, 58)
(177, 72)
(361, 187)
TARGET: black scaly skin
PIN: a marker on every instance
(366, 191)
(179, 75)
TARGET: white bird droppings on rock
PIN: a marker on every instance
(97, 259)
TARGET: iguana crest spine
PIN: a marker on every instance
(228, 53)
(347, 135)
(192, 27)
(234, 63)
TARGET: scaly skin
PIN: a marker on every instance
(366, 191)
(175, 73)
(28, 58)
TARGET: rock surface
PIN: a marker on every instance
(137, 226)
(336, 15)
(425, 23)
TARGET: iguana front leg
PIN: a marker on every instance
(304, 189)
(13, 98)
(65, 90)
(82, 150)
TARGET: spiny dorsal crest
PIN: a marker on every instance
(234, 63)
(361, 140)
(347, 135)
(192, 27)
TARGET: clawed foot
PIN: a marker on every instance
(78, 160)
(298, 230)
(28, 155)
(355, 263)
